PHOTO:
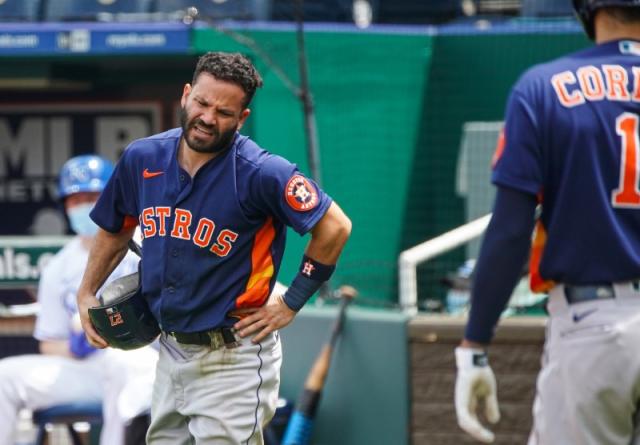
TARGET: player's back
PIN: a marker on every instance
(582, 115)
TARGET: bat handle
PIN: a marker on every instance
(298, 430)
(135, 248)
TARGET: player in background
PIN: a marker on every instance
(68, 369)
(213, 208)
(572, 147)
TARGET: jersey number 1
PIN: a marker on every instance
(628, 194)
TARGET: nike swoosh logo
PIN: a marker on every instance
(146, 174)
(580, 316)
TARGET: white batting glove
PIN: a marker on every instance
(475, 381)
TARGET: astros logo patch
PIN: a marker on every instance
(301, 194)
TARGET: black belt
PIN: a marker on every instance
(215, 337)
(578, 294)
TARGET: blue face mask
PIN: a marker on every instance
(81, 222)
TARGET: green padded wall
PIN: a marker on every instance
(366, 397)
(368, 93)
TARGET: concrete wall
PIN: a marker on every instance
(392, 379)
(514, 356)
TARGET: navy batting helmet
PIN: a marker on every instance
(86, 173)
(586, 10)
(124, 319)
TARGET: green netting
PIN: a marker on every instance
(391, 113)
(368, 92)
(469, 81)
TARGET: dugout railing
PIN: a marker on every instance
(409, 259)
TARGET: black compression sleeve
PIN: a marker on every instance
(504, 250)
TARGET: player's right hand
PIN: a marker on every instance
(85, 301)
(475, 381)
(262, 321)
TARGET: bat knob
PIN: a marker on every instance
(347, 291)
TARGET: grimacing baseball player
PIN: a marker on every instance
(572, 147)
(68, 369)
(213, 208)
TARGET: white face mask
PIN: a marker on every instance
(81, 222)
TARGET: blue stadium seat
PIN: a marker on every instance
(546, 8)
(19, 10)
(217, 9)
(338, 11)
(69, 10)
(68, 414)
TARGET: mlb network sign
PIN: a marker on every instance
(37, 139)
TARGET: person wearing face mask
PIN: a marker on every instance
(68, 369)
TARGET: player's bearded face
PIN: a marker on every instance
(202, 137)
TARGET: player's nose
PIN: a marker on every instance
(208, 118)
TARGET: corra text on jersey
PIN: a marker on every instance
(594, 83)
(154, 221)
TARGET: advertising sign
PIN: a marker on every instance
(36, 140)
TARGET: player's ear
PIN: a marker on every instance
(185, 94)
(243, 117)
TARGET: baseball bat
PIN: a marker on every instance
(135, 247)
(300, 425)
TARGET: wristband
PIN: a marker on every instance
(301, 289)
(309, 279)
(315, 270)
(471, 358)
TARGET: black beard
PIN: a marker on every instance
(221, 142)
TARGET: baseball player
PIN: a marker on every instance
(572, 147)
(213, 208)
(68, 368)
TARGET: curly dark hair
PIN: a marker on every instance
(230, 67)
(628, 15)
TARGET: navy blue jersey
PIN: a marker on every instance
(211, 243)
(571, 137)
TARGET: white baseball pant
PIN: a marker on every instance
(39, 381)
(588, 390)
(214, 396)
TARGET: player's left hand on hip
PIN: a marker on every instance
(475, 381)
(262, 321)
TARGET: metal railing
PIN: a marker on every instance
(411, 258)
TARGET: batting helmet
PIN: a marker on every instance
(124, 319)
(586, 10)
(86, 173)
